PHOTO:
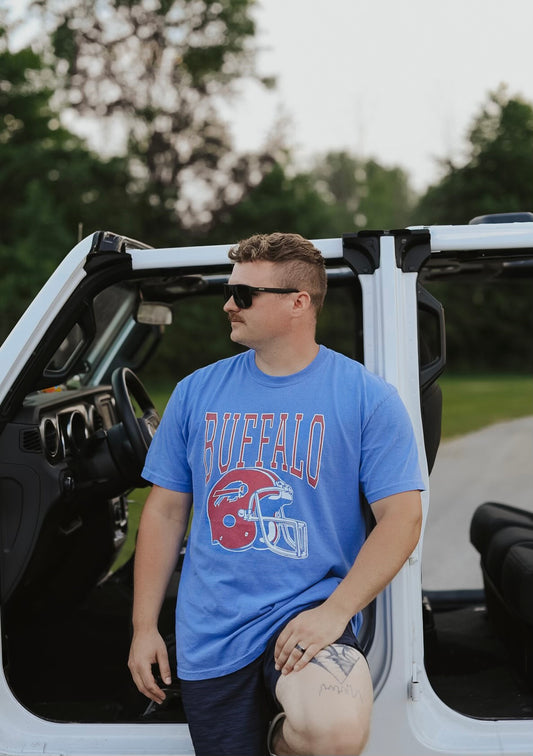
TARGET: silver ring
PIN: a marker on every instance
(299, 648)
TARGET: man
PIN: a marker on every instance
(269, 601)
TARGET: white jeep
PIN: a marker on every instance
(452, 665)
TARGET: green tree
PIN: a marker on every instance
(156, 75)
(50, 184)
(280, 202)
(496, 175)
(341, 193)
(488, 326)
(362, 193)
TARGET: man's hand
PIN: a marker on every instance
(149, 648)
(311, 630)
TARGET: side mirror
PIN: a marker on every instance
(154, 313)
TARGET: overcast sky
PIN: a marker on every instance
(397, 81)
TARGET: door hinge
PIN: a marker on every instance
(415, 686)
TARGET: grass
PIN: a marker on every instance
(474, 402)
(469, 403)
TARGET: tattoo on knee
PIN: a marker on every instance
(339, 661)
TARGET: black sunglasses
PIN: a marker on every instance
(242, 293)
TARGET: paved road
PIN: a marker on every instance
(494, 464)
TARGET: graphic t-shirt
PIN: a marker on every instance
(276, 465)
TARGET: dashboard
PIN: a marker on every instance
(63, 496)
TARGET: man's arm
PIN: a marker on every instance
(397, 530)
(162, 529)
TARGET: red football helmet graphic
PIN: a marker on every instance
(246, 509)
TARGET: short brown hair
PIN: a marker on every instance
(301, 263)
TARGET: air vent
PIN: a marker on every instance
(77, 432)
(31, 440)
(50, 438)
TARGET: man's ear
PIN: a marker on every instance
(302, 303)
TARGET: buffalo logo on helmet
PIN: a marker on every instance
(246, 510)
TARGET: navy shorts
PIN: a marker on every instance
(229, 715)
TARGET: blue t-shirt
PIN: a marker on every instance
(276, 465)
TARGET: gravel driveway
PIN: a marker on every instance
(493, 464)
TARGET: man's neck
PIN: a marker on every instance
(279, 362)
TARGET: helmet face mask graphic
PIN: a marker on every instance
(246, 510)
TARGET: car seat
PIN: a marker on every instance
(503, 536)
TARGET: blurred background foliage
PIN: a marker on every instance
(152, 79)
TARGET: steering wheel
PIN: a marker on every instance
(139, 430)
